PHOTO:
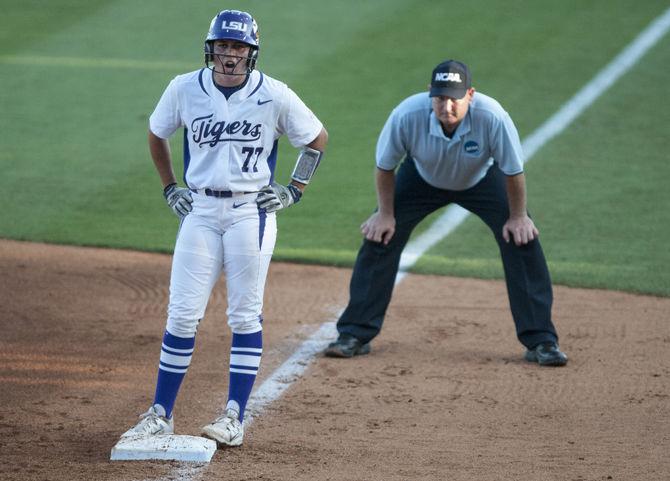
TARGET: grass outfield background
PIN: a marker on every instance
(80, 78)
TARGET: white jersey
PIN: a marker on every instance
(232, 144)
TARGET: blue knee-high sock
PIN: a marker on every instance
(245, 357)
(176, 355)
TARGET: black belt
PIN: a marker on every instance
(219, 193)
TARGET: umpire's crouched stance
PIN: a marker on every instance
(458, 146)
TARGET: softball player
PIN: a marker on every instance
(458, 146)
(232, 116)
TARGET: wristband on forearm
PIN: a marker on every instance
(305, 166)
(169, 188)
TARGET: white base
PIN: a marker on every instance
(169, 447)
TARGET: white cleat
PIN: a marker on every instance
(151, 424)
(226, 429)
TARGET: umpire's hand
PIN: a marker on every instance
(521, 229)
(379, 228)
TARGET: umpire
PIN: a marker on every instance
(458, 146)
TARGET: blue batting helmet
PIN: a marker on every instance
(233, 25)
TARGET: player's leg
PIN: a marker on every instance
(248, 247)
(526, 273)
(196, 266)
(376, 267)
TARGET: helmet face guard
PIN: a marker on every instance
(233, 25)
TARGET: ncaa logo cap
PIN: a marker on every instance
(451, 78)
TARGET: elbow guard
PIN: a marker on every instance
(305, 166)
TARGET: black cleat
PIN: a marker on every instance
(546, 354)
(347, 346)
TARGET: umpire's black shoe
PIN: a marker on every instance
(347, 346)
(547, 354)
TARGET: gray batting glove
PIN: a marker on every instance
(275, 196)
(179, 199)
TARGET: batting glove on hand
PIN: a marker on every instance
(179, 199)
(275, 196)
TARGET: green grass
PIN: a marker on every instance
(80, 78)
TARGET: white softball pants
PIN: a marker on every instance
(228, 235)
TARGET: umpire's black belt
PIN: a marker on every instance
(218, 193)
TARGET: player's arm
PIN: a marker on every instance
(519, 226)
(179, 199)
(276, 196)
(162, 157)
(380, 227)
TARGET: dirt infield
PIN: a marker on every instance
(444, 395)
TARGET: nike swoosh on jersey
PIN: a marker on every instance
(235, 206)
(263, 102)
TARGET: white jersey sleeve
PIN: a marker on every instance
(166, 117)
(297, 121)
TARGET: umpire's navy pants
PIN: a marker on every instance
(526, 273)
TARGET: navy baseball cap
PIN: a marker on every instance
(451, 78)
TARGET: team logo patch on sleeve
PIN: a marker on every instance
(471, 147)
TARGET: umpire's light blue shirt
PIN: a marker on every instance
(485, 134)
